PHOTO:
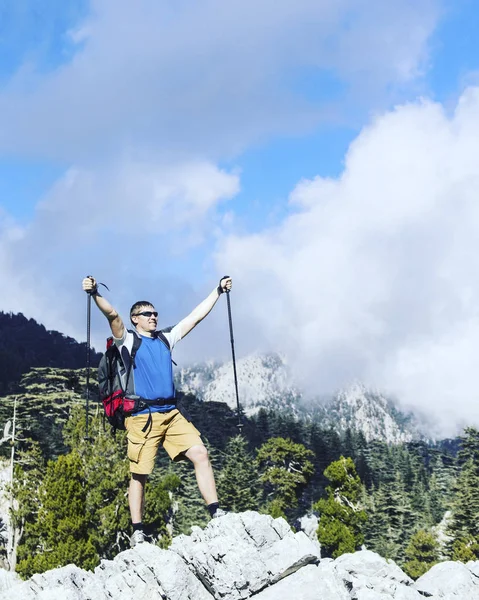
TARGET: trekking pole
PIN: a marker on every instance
(88, 347)
(88, 327)
(240, 424)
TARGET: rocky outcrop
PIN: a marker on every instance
(241, 556)
(265, 381)
(450, 580)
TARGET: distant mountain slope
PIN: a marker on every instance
(24, 344)
(264, 381)
(360, 408)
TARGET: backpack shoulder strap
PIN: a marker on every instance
(134, 349)
(136, 344)
(161, 336)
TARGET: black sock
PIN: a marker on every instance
(213, 508)
(137, 526)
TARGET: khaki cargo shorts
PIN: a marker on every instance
(171, 429)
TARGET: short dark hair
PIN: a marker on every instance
(137, 305)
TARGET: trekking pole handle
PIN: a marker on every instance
(220, 285)
(94, 289)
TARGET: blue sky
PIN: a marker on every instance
(225, 137)
(38, 39)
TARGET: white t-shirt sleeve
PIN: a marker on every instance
(173, 336)
(126, 340)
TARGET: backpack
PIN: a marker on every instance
(116, 387)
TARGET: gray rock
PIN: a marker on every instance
(449, 580)
(241, 554)
(310, 583)
(369, 564)
(8, 579)
(399, 592)
(369, 594)
(309, 524)
(148, 573)
(473, 566)
(65, 583)
(407, 593)
(371, 577)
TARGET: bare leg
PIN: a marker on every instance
(136, 496)
(204, 473)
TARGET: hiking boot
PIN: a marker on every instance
(219, 513)
(138, 537)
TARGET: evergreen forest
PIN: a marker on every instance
(416, 503)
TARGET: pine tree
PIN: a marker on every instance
(106, 478)
(29, 472)
(262, 423)
(464, 523)
(362, 459)
(469, 446)
(391, 514)
(59, 535)
(341, 515)
(422, 553)
(285, 470)
(238, 482)
(159, 493)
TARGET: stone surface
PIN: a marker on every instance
(369, 564)
(159, 574)
(242, 556)
(310, 583)
(256, 551)
(65, 583)
(371, 577)
(449, 580)
(473, 566)
(309, 524)
(8, 579)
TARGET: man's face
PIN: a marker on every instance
(145, 319)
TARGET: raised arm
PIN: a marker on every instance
(117, 326)
(204, 308)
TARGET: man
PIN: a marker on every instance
(153, 379)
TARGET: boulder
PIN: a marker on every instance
(240, 554)
(147, 573)
(449, 581)
(309, 583)
(371, 577)
(64, 583)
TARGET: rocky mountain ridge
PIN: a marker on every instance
(265, 381)
(242, 556)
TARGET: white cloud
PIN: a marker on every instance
(373, 276)
(209, 77)
(122, 224)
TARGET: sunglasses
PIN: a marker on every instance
(147, 313)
